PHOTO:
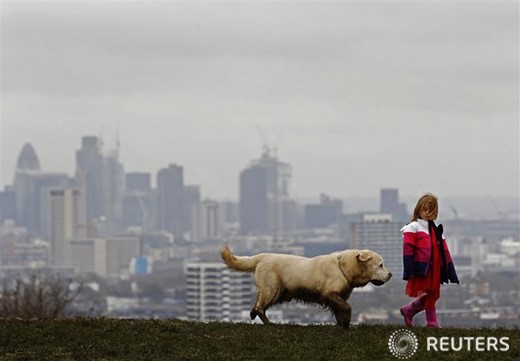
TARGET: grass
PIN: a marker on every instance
(127, 339)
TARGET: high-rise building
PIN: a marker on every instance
(207, 221)
(264, 187)
(137, 182)
(137, 201)
(89, 172)
(379, 233)
(170, 200)
(27, 164)
(8, 205)
(66, 223)
(390, 205)
(213, 292)
(113, 190)
(191, 199)
(30, 185)
(389, 200)
(27, 159)
(278, 179)
(324, 214)
(31, 188)
(101, 178)
(253, 205)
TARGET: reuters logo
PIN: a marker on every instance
(402, 344)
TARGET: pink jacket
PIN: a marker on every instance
(417, 251)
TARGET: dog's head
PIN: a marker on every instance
(367, 266)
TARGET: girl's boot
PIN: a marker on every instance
(412, 309)
(431, 318)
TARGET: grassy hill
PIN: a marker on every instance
(126, 339)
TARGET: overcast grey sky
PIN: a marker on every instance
(357, 96)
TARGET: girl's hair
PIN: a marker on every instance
(426, 202)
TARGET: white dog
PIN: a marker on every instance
(327, 280)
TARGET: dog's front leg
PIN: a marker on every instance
(343, 316)
(341, 309)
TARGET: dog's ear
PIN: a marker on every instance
(363, 256)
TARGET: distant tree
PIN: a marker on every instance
(37, 296)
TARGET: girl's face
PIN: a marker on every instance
(424, 214)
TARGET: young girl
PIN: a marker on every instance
(427, 261)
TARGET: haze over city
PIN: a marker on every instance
(419, 96)
(145, 144)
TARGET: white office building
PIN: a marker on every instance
(213, 292)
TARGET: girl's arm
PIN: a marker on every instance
(409, 245)
(452, 274)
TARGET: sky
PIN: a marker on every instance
(355, 96)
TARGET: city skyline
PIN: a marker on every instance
(154, 174)
(354, 96)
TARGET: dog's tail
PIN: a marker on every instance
(242, 264)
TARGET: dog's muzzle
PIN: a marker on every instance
(379, 282)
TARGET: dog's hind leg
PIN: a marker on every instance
(261, 305)
(268, 293)
(265, 298)
(253, 313)
(260, 313)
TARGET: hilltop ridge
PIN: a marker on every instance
(130, 339)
